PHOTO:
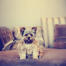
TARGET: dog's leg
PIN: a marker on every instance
(35, 53)
(22, 55)
(22, 52)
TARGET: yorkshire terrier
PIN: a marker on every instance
(26, 43)
(28, 46)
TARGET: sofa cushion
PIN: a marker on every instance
(16, 33)
(60, 36)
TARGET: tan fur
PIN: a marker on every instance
(23, 48)
(28, 48)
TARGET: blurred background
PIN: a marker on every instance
(29, 12)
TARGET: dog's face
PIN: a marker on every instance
(28, 34)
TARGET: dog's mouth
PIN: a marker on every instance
(28, 41)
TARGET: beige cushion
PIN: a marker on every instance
(48, 24)
(16, 31)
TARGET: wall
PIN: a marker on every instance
(29, 12)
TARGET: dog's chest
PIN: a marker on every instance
(29, 48)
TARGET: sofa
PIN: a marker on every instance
(47, 35)
(46, 31)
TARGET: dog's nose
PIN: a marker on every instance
(28, 37)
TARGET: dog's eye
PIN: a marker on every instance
(26, 34)
(31, 34)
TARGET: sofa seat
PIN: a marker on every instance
(50, 57)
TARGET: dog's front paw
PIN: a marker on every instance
(35, 57)
(22, 58)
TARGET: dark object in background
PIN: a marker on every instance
(5, 36)
(1, 45)
(60, 37)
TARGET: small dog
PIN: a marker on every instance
(28, 45)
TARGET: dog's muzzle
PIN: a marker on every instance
(28, 41)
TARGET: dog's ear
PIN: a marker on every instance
(22, 29)
(34, 29)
